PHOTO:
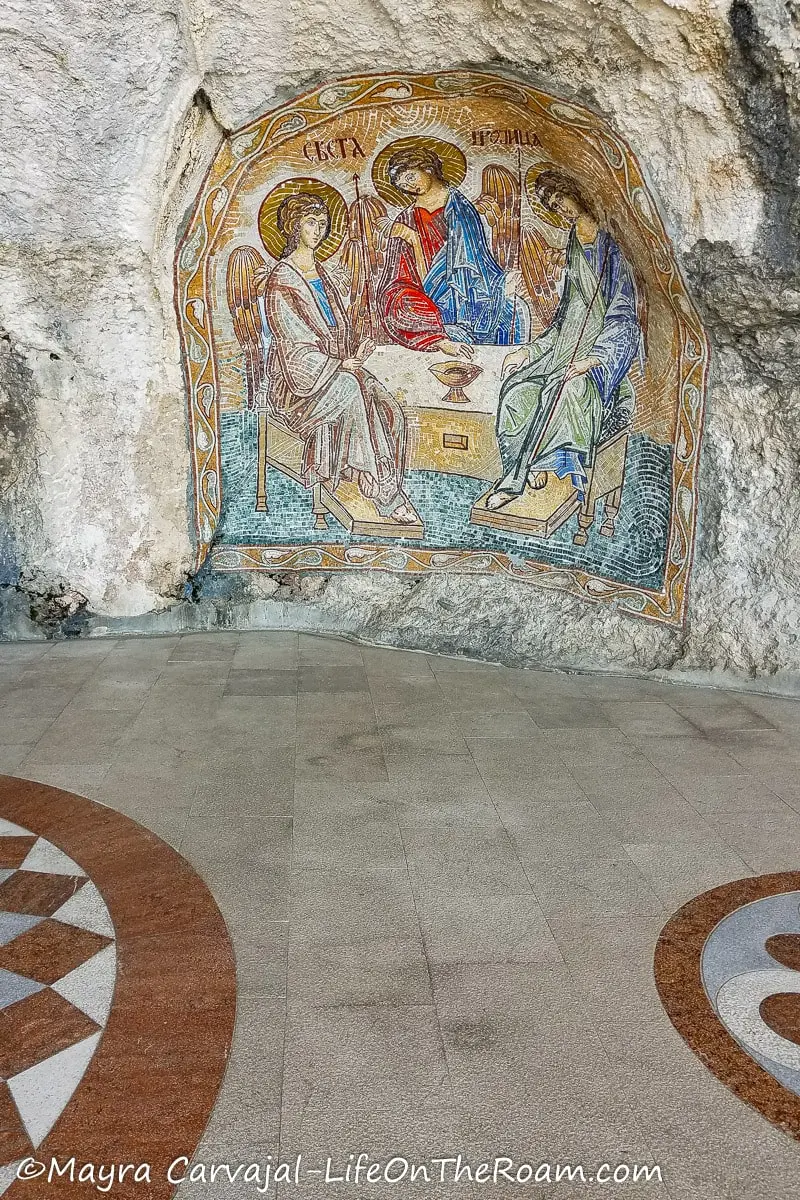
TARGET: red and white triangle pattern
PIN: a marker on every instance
(58, 967)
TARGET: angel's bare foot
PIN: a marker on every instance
(403, 515)
(537, 481)
(499, 499)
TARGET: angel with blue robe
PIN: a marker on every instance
(442, 288)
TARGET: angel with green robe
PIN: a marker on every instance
(557, 390)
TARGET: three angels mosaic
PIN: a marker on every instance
(429, 336)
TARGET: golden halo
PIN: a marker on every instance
(531, 175)
(275, 242)
(454, 166)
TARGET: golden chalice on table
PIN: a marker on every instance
(455, 376)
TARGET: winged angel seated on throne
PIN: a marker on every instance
(444, 274)
(313, 376)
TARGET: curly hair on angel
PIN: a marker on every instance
(558, 183)
(415, 158)
(292, 211)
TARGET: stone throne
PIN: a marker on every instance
(540, 513)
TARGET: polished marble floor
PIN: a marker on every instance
(444, 883)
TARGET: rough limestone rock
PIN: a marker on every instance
(112, 112)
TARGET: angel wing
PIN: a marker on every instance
(362, 260)
(243, 265)
(520, 245)
(498, 203)
(542, 265)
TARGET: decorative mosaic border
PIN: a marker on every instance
(678, 973)
(192, 300)
(151, 1085)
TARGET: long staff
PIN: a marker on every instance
(367, 263)
(518, 263)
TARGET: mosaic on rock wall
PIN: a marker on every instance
(434, 323)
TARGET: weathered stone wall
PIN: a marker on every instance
(112, 112)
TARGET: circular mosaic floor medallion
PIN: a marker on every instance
(727, 969)
(117, 993)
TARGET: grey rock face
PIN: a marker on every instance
(112, 114)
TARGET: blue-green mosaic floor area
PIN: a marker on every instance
(636, 554)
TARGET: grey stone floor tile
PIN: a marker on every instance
(144, 647)
(333, 679)
(485, 929)
(267, 682)
(263, 840)
(678, 871)
(402, 699)
(610, 959)
(445, 765)
(599, 749)
(462, 692)
(420, 723)
(16, 731)
(380, 661)
(721, 715)
(606, 687)
(593, 887)
(354, 1075)
(516, 760)
(34, 700)
(11, 757)
(447, 664)
(24, 652)
(277, 651)
(648, 718)
(197, 673)
(9, 674)
(563, 834)
(462, 857)
(522, 1054)
(82, 648)
(521, 849)
(170, 789)
(784, 782)
(551, 711)
(766, 841)
(328, 651)
(494, 724)
(259, 722)
(266, 659)
(458, 798)
(323, 797)
(688, 758)
(354, 755)
(731, 793)
(241, 793)
(354, 938)
(248, 893)
(116, 695)
(517, 802)
(757, 750)
(659, 814)
(782, 712)
(318, 712)
(261, 960)
(168, 824)
(363, 836)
